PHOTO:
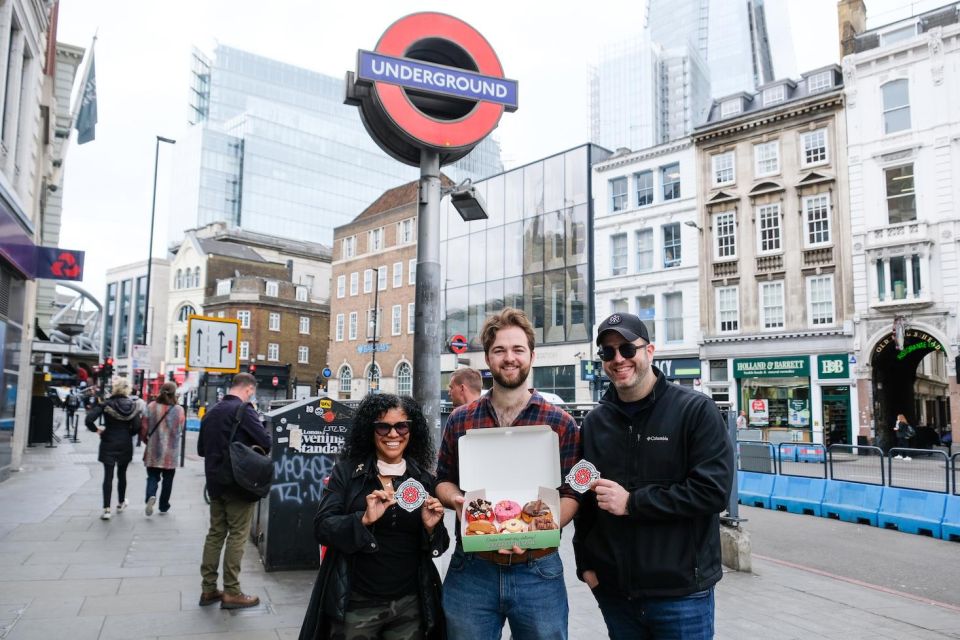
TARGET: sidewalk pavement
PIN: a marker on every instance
(65, 572)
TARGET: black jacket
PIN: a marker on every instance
(215, 430)
(675, 458)
(338, 527)
(120, 423)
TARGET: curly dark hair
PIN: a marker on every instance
(360, 445)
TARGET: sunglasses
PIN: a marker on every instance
(627, 350)
(383, 428)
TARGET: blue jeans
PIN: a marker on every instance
(153, 479)
(683, 618)
(479, 595)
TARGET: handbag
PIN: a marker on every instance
(244, 467)
(146, 439)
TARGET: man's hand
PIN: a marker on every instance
(432, 514)
(590, 578)
(509, 552)
(377, 503)
(611, 497)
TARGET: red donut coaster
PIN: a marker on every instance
(581, 476)
(411, 495)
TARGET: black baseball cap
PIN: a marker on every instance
(626, 324)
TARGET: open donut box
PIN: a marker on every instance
(511, 463)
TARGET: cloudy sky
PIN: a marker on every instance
(143, 72)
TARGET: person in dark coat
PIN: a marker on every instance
(120, 425)
(377, 577)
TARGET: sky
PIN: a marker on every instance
(143, 74)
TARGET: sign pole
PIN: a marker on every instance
(426, 338)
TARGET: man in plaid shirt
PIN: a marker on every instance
(526, 587)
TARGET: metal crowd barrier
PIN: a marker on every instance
(922, 469)
(955, 467)
(759, 457)
(802, 459)
(852, 463)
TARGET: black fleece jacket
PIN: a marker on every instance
(674, 456)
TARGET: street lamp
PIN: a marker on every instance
(467, 202)
(153, 210)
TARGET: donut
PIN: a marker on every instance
(481, 527)
(479, 509)
(543, 523)
(514, 525)
(506, 510)
(533, 509)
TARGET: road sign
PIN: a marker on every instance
(212, 344)
(141, 357)
(276, 380)
(326, 372)
(458, 344)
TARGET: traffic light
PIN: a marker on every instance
(252, 369)
(106, 371)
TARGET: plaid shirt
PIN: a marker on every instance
(480, 414)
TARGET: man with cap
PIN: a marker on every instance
(647, 539)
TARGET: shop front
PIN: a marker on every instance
(834, 384)
(775, 392)
(682, 371)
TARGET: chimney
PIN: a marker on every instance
(852, 21)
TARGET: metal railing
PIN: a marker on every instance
(852, 463)
(921, 469)
(802, 459)
(955, 472)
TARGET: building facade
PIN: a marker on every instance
(902, 86)
(647, 257)
(776, 309)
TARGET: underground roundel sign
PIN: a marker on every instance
(432, 82)
(458, 343)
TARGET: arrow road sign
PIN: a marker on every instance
(212, 344)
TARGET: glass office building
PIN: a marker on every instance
(274, 150)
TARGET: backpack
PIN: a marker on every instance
(248, 469)
(72, 402)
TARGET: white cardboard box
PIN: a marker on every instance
(511, 463)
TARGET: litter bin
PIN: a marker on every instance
(307, 436)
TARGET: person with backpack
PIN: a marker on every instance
(119, 426)
(904, 431)
(231, 508)
(161, 429)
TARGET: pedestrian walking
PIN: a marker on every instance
(120, 426)
(647, 539)
(742, 420)
(525, 587)
(230, 507)
(377, 578)
(903, 431)
(161, 430)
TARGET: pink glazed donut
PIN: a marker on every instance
(506, 510)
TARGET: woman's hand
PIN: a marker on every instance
(377, 503)
(432, 513)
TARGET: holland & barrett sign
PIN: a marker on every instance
(783, 367)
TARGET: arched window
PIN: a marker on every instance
(178, 281)
(346, 382)
(404, 379)
(373, 379)
(196, 277)
(185, 312)
(176, 347)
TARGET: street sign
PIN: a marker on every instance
(458, 344)
(212, 344)
(326, 372)
(276, 380)
(141, 357)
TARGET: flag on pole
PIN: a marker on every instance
(87, 118)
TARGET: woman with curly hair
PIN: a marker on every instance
(377, 577)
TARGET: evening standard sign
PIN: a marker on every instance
(786, 367)
(435, 78)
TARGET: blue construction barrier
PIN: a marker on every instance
(950, 527)
(787, 452)
(852, 502)
(811, 453)
(754, 489)
(193, 424)
(912, 511)
(798, 495)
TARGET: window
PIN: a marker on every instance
(176, 347)
(644, 250)
(768, 228)
(396, 319)
(341, 286)
(673, 316)
(896, 106)
(771, 305)
(901, 199)
(718, 371)
(352, 333)
(244, 318)
(196, 277)
(899, 276)
(354, 283)
(397, 274)
(221, 314)
(816, 217)
(404, 379)
(367, 280)
(405, 231)
(412, 271)
(820, 300)
(647, 311)
(411, 316)
(273, 289)
(618, 194)
(725, 235)
(185, 312)
(774, 95)
(339, 328)
(223, 288)
(346, 382)
(382, 278)
(644, 188)
(350, 247)
(301, 294)
(723, 171)
(375, 239)
(819, 81)
(730, 107)
(728, 309)
(303, 355)
(274, 322)
(766, 158)
(670, 176)
(178, 280)
(273, 351)
(814, 147)
(671, 245)
(618, 254)
(619, 305)
(898, 35)
(305, 325)
(244, 350)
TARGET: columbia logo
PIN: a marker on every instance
(658, 438)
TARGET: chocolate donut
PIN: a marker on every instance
(533, 509)
(543, 523)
